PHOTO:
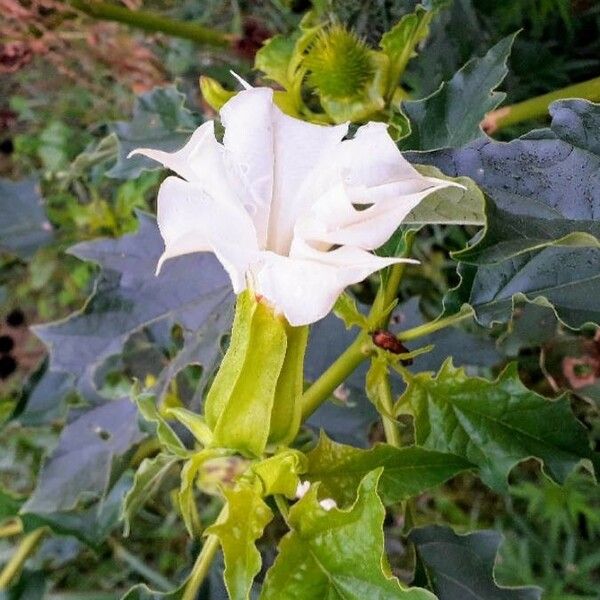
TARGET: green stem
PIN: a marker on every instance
(27, 547)
(427, 328)
(537, 107)
(201, 567)
(150, 21)
(362, 346)
(335, 375)
(10, 529)
(390, 427)
(282, 505)
(140, 567)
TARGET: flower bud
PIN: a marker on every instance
(254, 400)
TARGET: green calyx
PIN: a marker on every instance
(339, 63)
(254, 401)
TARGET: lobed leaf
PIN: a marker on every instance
(450, 117)
(246, 517)
(24, 226)
(336, 554)
(462, 566)
(495, 424)
(407, 471)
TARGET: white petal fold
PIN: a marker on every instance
(191, 221)
(305, 285)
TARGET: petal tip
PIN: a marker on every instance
(241, 80)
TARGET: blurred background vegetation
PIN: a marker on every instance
(67, 77)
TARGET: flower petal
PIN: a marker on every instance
(371, 158)
(276, 155)
(305, 286)
(300, 149)
(248, 139)
(182, 161)
(334, 220)
(191, 221)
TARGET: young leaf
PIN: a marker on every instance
(407, 472)
(494, 424)
(166, 436)
(246, 517)
(541, 188)
(161, 121)
(450, 117)
(274, 59)
(400, 41)
(24, 226)
(347, 310)
(462, 566)
(279, 474)
(336, 553)
(147, 478)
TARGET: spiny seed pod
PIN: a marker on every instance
(386, 340)
(339, 64)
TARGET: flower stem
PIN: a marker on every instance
(201, 567)
(390, 427)
(150, 21)
(27, 547)
(465, 312)
(538, 107)
(335, 375)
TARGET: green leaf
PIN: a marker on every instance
(494, 424)
(90, 449)
(145, 482)
(30, 586)
(160, 121)
(542, 189)
(347, 310)
(563, 278)
(450, 117)
(407, 472)
(129, 297)
(246, 517)
(24, 226)
(400, 41)
(449, 206)
(193, 422)
(166, 436)
(186, 498)
(90, 523)
(279, 474)
(336, 554)
(274, 59)
(462, 566)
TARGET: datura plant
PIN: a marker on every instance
(325, 411)
(293, 211)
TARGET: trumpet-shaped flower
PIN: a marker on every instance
(291, 209)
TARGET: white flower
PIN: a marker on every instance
(288, 207)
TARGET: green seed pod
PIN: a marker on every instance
(340, 64)
(254, 399)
